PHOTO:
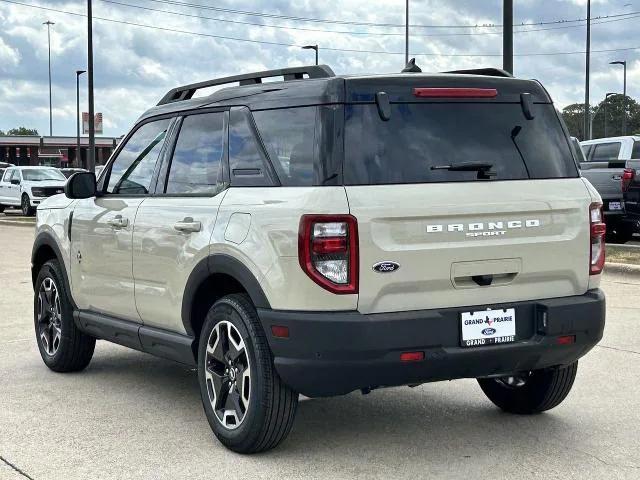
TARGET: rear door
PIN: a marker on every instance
(102, 227)
(603, 169)
(474, 203)
(173, 228)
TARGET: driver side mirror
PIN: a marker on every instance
(15, 181)
(81, 185)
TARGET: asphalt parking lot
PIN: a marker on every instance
(130, 415)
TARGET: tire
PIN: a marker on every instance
(62, 346)
(2, 207)
(264, 415)
(25, 204)
(618, 236)
(542, 390)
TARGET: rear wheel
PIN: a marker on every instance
(531, 392)
(62, 346)
(248, 407)
(27, 209)
(2, 207)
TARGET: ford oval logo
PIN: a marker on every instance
(386, 267)
(488, 331)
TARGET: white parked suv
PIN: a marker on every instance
(325, 234)
(26, 187)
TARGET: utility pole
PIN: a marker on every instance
(91, 157)
(406, 35)
(507, 36)
(48, 23)
(78, 155)
(587, 113)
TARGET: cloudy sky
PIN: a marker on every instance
(136, 64)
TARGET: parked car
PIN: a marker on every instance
(327, 234)
(67, 172)
(603, 165)
(26, 187)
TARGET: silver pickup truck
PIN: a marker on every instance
(604, 162)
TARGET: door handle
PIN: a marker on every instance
(188, 225)
(118, 222)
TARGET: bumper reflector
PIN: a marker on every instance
(411, 356)
(566, 340)
(280, 331)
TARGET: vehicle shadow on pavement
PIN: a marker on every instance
(450, 420)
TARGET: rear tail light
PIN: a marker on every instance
(328, 251)
(598, 230)
(455, 92)
(627, 178)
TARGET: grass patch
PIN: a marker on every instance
(618, 256)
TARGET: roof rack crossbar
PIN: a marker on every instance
(186, 92)
(488, 72)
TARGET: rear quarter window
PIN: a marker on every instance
(635, 154)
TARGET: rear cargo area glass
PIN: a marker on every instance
(421, 136)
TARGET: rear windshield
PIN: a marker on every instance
(425, 143)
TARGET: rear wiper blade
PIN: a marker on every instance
(464, 167)
(483, 169)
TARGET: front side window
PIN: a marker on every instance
(16, 175)
(132, 170)
(605, 152)
(635, 154)
(197, 158)
(289, 135)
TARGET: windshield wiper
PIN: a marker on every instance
(483, 169)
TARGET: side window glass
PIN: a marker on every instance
(635, 154)
(132, 170)
(289, 137)
(16, 175)
(604, 152)
(7, 175)
(197, 158)
(246, 161)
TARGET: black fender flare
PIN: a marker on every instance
(228, 265)
(47, 239)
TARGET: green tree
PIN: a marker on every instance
(611, 112)
(574, 118)
(22, 131)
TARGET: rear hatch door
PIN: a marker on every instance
(434, 231)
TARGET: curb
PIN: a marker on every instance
(18, 223)
(623, 269)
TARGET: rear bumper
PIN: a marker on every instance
(333, 353)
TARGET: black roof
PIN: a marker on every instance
(313, 85)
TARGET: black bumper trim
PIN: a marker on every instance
(332, 353)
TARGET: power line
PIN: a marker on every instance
(283, 44)
(348, 32)
(368, 24)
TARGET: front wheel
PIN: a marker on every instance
(27, 209)
(531, 392)
(248, 407)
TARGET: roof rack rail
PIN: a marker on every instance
(185, 92)
(489, 72)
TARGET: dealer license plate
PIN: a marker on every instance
(488, 327)
(615, 205)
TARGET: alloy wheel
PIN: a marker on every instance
(25, 205)
(49, 316)
(228, 375)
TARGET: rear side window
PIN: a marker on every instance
(289, 136)
(432, 142)
(247, 162)
(635, 154)
(132, 170)
(197, 157)
(605, 152)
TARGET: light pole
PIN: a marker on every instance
(48, 23)
(624, 96)
(587, 74)
(507, 36)
(312, 47)
(91, 157)
(78, 155)
(406, 35)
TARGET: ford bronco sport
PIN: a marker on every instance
(324, 234)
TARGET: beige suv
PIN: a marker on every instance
(324, 234)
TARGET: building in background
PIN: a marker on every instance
(53, 151)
